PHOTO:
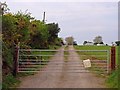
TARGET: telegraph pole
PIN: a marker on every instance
(44, 17)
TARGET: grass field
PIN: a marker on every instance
(96, 54)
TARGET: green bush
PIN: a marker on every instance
(7, 55)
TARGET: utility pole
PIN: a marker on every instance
(44, 17)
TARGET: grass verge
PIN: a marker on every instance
(112, 80)
(9, 81)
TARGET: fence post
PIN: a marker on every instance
(15, 60)
(113, 58)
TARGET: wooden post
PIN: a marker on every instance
(15, 62)
(113, 58)
(118, 50)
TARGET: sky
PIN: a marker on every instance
(82, 20)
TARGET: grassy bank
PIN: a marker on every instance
(112, 80)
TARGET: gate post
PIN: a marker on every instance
(113, 58)
(15, 60)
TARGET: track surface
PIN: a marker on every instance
(61, 73)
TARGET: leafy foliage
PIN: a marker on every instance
(39, 34)
(53, 30)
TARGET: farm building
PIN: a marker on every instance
(89, 43)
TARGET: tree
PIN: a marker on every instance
(59, 41)
(39, 34)
(9, 29)
(53, 30)
(98, 40)
(23, 24)
(69, 40)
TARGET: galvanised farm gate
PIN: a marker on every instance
(36, 60)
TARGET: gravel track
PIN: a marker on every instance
(63, 74)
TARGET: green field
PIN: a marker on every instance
(81, 47)
(96, 54)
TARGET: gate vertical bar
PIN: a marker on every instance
(15, 62)
(113, 58)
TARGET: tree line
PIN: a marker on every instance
(29, 32)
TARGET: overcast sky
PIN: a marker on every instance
(82, 20)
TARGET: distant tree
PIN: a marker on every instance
(69, 40)
(118, 43)
(98, 40)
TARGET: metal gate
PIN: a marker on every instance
(70, 61)
(99, 59)
(33, 60)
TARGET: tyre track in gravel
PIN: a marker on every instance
(76, 76)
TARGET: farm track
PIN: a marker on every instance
(60, 73)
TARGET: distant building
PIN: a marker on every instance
(89, 43)
(100, 44)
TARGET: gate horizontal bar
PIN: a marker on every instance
(65, 72)
(62, 50)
